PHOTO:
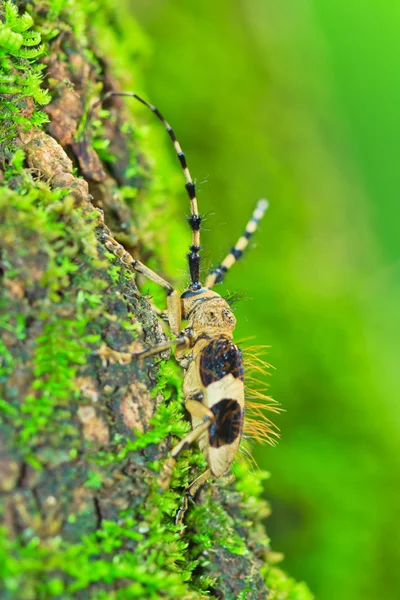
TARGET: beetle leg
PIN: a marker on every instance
(192, 436)
(160, 312)
(190, 493)
(181, 343)
(174, 308)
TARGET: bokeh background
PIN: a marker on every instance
(299, 101)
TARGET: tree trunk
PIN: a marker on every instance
(84, 426)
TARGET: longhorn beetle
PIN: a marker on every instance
(213, 365)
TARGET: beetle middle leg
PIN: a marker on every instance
(181, 343)
(197, 409)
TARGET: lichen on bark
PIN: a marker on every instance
(84, 427)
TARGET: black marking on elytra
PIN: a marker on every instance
(195, 222)
(191, 189)
(198, 396)
(228, 424)
(236, 253)
(248, 234)
(219, 358)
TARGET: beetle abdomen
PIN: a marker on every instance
(220, 358)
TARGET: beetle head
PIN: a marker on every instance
(207, 313)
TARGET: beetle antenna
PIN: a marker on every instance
(217, 275)
(195, 219)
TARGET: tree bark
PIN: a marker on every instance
(84, 426)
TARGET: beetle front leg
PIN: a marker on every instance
(174, 303)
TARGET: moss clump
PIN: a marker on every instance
(65, 236)
(285, 588)
(20, 72)
(168, 420)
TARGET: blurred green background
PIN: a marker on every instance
(299, 102)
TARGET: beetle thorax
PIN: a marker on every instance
(208, 313)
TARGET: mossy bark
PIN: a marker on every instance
(84, 426)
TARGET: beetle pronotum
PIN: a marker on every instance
(213, 365)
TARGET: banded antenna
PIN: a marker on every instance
(217, 275)
(195, 219)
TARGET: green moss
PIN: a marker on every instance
(30, 570)
(284, 587)
(160, 563)
(67, 244)
(20, 72)
(146, 555)
(168, 419)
